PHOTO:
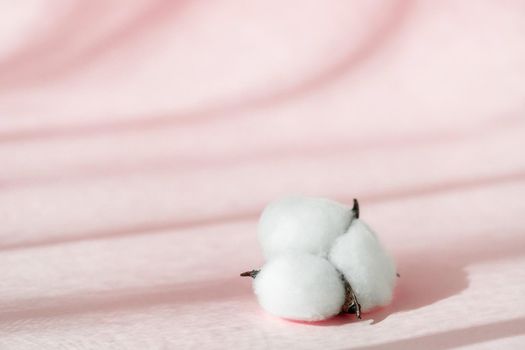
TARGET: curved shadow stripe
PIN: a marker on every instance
(455, 338)
(236, 105)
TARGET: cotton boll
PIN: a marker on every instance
(302, 225)
(368, 268)
(300, 287)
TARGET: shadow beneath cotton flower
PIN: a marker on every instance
(439, 273)
(334, 321)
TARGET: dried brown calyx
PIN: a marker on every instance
(252, 273)
(351, 305)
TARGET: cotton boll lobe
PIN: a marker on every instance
(371, 272)
(300, 287)
(302, 225)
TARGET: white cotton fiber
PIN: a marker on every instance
(300, 287)
(302, 225)
(371, 272)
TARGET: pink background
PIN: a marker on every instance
(139, 141)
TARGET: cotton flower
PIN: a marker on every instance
(322, 260)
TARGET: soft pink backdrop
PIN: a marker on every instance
(139, 141)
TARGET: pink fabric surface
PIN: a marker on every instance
(139, 141)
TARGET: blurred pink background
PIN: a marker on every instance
(139, 141)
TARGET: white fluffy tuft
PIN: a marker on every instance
(371, 272)
(302, 225)
(300, 287)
